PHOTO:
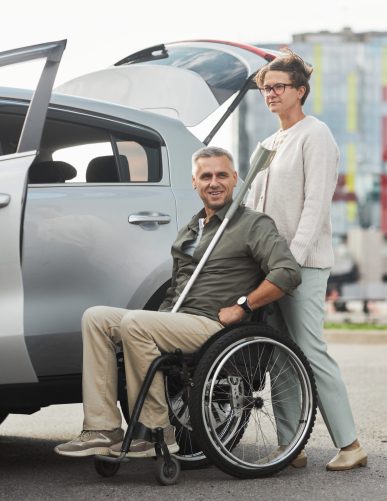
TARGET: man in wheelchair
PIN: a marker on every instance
(250, 266)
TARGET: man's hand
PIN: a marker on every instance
(231, 315)
(265, 293)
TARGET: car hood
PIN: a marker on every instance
(185, 80)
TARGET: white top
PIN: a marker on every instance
(297, 189)
(191, 245)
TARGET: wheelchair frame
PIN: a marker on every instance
(219, 447)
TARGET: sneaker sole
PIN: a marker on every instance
(101, 451)
(150, 453)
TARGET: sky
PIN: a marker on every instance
(100, 33)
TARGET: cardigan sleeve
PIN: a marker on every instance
(320, 163)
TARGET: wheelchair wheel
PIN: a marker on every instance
(190, 454)
(167, 473)
(178, 396)
(106, 469)
(266, 387)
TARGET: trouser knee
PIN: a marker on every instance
(94, 314)
(95, 322)
(135, 325)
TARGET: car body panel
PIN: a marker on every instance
(146, 87)
(16, 368)
(15, 363)
(80, 251)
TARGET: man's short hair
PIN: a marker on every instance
(208, 152)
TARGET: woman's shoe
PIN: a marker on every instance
(300, 461)
(346, 460)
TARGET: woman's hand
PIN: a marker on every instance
(231, 315)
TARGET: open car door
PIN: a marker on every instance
(15, 364)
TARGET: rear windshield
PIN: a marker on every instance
(224, 74)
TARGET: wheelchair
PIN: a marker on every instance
(245, 402)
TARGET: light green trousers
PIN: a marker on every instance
(301, 315)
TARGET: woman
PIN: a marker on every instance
(297, 192)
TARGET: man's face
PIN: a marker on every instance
(215, 179)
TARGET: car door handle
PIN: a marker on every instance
(149, 217)
(4, 200)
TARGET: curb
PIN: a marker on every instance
(355, 336)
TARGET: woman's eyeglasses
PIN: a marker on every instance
(278, 89)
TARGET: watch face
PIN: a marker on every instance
(243, 303)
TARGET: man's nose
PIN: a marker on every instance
(214, 180)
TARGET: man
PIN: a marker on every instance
(250, 266)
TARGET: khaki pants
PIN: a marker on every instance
(142, 335)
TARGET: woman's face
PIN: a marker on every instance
(281, 99)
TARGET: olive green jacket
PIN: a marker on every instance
(249, 251)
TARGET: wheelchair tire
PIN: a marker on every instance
(3, 416)
(106, 469)
(190, 454)
(251, 371)
(167, 473)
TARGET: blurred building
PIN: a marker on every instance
(349, 93)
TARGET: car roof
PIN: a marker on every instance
(102, 108)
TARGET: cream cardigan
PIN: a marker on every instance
(297, 189)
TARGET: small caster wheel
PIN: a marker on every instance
(105, 468)
(167, 473)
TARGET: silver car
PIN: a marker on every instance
(95, 181)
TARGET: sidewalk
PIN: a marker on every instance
(356, 336)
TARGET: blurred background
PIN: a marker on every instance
(346, 42)
(349, 93)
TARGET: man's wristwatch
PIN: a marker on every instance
(243, 303)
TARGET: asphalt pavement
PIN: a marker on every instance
(30, 470)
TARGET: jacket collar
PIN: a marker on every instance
(220, 214)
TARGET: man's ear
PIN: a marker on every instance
(193, 182)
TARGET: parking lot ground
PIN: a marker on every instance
(356, 336)
(31, 470)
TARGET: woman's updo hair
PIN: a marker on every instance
(299, 71)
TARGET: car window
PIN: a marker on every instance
(95, 155)
(73, 152)
(137, 160)
(82, 158)
(224, 73)
(10, 131)
(139, 157)
(79, 153)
